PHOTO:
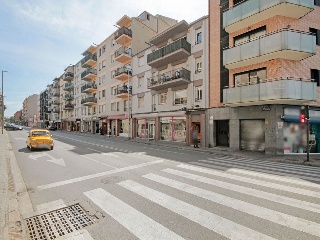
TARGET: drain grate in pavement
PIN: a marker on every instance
(58, 223)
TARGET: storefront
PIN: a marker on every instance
(145, 128)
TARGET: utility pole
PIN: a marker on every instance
(128, 89)
(2, 101)
(308, 131)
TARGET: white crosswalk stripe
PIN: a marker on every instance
(251, 195)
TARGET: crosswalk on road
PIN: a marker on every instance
(231, 203)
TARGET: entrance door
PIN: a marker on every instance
(151, 130)
(222, 134)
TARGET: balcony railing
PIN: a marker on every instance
(123, 54)
(177, 50)
(56, 85)
(89, 74)
(56, 93)
(278, 91)
(68, 76)
(68, 97)
(123, 36)
(68, 86)
(122, 73)
(285, 44)
(89, 61)
(249, 12)
(89, 101)
(90, 87)
(170, 79)
(68, 107)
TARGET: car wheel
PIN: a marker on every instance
(31, 148)
(51, 148)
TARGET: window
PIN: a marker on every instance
(103, 93)
(140, 102)
(99, 94)
(198, 36)
(162, 98)
(317, 33)
(317, 3)
(315, 74)
(198, 65)
(140, 81)
(103, 48)
(251, 77)
(103, 79)
(99, 81)
(125, 107)
(99, 52)
(99, 66)
(141, 61)
(198, 93)
(99, 108)
(113, 73)
(113, 42)
(256, 33)
(103, 63)
(118, 105)
(113, 106)
(180, 97)
(112, 58)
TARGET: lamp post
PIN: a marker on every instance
(128, 89)
(2, 101)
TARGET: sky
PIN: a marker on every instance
(40, 38)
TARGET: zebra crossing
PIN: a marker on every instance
(243, 200)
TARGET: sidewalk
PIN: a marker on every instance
(314, 159)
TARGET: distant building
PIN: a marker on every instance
(18, 116)
(30, 109)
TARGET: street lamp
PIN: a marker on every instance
(128, 89)
(2, 101)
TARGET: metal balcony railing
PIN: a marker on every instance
(122, 70)
(89, 57)
(170, 48)
(122, 31)
(170, 76)
(123, 89)
(88, 86)
(69, 106)
(88, 71)
(89, 99)
(68, 75)
(123, 50)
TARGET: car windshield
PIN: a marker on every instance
(40, 133)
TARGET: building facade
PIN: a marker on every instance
(30, 110)
(268, 57)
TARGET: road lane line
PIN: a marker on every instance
(245, 207)
(202, 217)
(50, 206)
(94, 150)
(136, 222)
(96, 175)
(248, 191)
(94, 160)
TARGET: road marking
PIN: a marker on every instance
(110, 155)
(136, 222)
(52, 159)
(98, 161)
(50, 206)
(94, 150)
(92, 176)
(255, 182)
(58, 161)
(248, 191)
(202, 217)
(245, 207)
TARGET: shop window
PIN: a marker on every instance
(315, 74)
(166, 128)
(317, 33)
(250, 77)
(180, 97)
(248, 36)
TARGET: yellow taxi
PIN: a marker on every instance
(39, 139)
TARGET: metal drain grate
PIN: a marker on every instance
(58, 223)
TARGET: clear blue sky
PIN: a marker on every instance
(40, 38)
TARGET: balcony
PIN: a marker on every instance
(123, 55)
(68, 97)
(123, 36)
(122, 74)
(89, 61)
(279, 91)
(55, 110)
(56, 102)
(68, 76)
(170, 79)
(122, 92)
(125, 21)
(250, 12)
(89, 88)
(172, 52)
(68, 107)
(68, 87)
(89, 101)
(89, 74)
(285, 44)
(56, 93)
(56, 85)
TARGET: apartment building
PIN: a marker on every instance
(170, 84)
(114, 70)
(54, 98)
(264, 66)
(81, 111)
(30, 110)
(66, 98)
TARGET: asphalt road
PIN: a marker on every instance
(140, 191)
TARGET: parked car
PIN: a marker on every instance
(39, 139)
(11, 126)
(53, 128)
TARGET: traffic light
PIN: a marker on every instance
(303, 118)
(304, 114)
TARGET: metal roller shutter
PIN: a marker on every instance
(252, 135)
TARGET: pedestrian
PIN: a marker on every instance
(114, 130)
(195, 137)
(110, 131)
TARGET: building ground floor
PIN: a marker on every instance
(273, 129)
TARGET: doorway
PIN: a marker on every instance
(151, 131)
(222, 133)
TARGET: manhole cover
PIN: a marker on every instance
(58, 223)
